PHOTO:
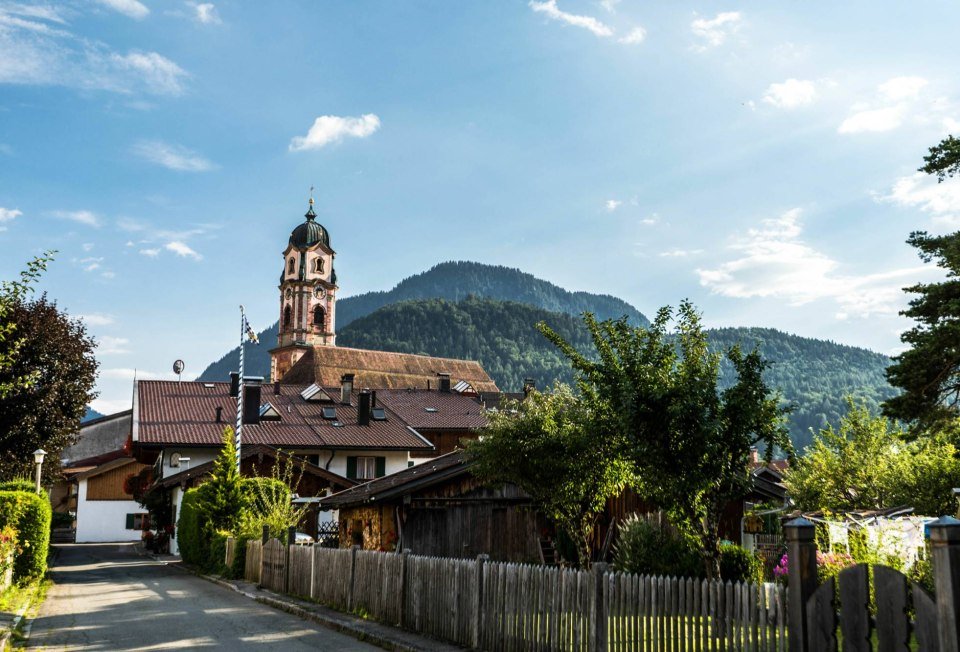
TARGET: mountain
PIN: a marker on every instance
(452, 281)
(90, 414)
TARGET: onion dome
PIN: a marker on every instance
(310, 232)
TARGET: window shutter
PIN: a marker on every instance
(352, 467)
(381, 467)
(130, 518)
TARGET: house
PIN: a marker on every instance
(439, 508)
(103, 501)
(443, 416)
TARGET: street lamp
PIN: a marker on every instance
(38, 458)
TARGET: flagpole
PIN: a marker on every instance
(238, 439)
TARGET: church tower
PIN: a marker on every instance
(308, 295)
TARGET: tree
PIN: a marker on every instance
(688, 441)
(49, 373)
(865, 464)
(222, 500)
(929, 371)
(11, 294)
(562, 452)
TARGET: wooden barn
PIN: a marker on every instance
(439, 508)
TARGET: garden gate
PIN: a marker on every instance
(813, 610)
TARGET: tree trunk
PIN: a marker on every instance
(710, 542)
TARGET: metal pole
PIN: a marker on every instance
(239, 431)
(39, 464)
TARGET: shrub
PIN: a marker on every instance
(189, 529)
(737, 564)
(30, 515)
(19, 484)
(645, 549)
(269, 504)
(238, 568)
(216, 552)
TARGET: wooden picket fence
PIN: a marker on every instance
(231, 553)
(505, 607)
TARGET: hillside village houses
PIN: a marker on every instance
(352, 414)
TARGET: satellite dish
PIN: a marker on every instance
(178, 367)
(174, 458)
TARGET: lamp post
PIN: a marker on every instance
(38, 459)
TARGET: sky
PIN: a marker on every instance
(757, 158)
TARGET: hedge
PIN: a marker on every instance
(216, 553)
(189, 534)
(19, 484)
(30, 515)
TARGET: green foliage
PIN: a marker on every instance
(562, 452)
(61, 519)
(13, 293)
(688, 440)
(190, 529)
(865, 464)
(223, 500)
(214, 560)
(269, 500)
(236, 571)
(57, 353)
(649, 550)
(944, 159)
(19, 484)
(737, 564)
(454, 282)
(30, 515)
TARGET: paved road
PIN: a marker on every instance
(106, 597)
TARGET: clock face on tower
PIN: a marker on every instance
(319, 292)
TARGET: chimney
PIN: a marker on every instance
(219, 414)
(363, 410)
(443, 383)
(754, 455)
(373, 399)
(346, 388)
(251, 400)
(529, 385)
(276, 388)
(234, 384)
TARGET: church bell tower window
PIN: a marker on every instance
(319, 318)
(287, 320)
(290, 266)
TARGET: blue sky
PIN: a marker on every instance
(758, 158)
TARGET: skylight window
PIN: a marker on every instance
(379, 414)
(315, 393)
(431, 409)
(330, 413)
(209, 385)
(269, 413)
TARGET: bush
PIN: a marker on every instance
(737, 564)
(189, 529)
(217, 553)
(648, 550)
(30, 515)
(239, 566)
(19, 484)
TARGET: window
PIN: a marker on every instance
(287, 320)
(138, 522)
(366, 468)
(318, 265)
(319, 317)
(329, 413)
(293, 261)
(379, 414)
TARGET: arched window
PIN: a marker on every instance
(318, 267)
(319, 317)
(287, 319)
(290, 266)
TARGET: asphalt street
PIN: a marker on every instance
(107, 597)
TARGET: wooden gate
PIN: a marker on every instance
(274, 573)
(849, 607)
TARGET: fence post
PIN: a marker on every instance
(402, 610)
(313, 570)
(265, 535)
(802, 562)
(477, 625)
(945, 549)
(353, 574)
(598, 616)
(291, 540)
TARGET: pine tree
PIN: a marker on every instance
(222, 500)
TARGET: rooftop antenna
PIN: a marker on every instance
(178, 369)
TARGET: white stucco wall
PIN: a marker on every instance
(197, 457)
(396, 460)
(104, 520)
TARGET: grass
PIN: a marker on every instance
(28, 597)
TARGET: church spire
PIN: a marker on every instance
(310, 215)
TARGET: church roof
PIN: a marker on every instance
(310, 232)
(325, 365)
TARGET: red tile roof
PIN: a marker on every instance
(434, 410)
(170, 412)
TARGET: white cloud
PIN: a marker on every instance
(182, 250)
(872, 120)
(205, 12)
(81, 217)
(120, 373)
(610, 5)
(902, 88)
(636, 35)
(714, 31)
(108, 345)
(549, 8)
(680, 253)
(650, 221)
(36, 49)
(90, 264)
(174, 157)
(613, 204)
(922, 192)
(110, 406)
(773, 262)
(157, 72)
(791, 94)
(108, 274)
(150, 253)
(130, 8)
(329, 129)
(9, 214)
(96, 319)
